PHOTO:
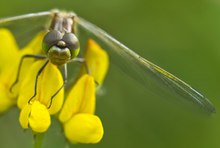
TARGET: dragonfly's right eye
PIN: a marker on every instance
(51, 39)
(72, 43)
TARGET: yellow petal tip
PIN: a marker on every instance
(84, 128)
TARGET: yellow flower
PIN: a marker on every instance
(84, 128)
(49, 82)
(36, 116)
(80, 123)
(97, 61)
(77, 115)
(10, 56)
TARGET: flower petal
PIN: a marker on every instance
(27, 85)
(39, 119)
(84, 128)
(49, 81)
(35, 46)
(36, 116)
(24, 116)
(97, 60)
(81, 99)
(8, 49)
(9, 60)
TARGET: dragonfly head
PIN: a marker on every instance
(59, 47)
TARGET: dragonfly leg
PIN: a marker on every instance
(20, 65)
(36, 79)
(64, 73)
(81, 60)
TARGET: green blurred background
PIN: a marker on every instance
(181, 36)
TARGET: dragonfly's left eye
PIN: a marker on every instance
(72, 43)
(51, 39)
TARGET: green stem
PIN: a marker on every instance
(38, 139)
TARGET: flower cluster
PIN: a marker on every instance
(76, 112)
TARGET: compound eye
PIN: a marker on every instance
(72, 44)
(71, 41)
(51, 39)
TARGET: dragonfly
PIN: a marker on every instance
(147, 73)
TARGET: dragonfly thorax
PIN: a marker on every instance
(60, 47)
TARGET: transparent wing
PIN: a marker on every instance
(147, 73)
(25, 27)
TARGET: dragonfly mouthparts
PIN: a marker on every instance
(59, 56)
